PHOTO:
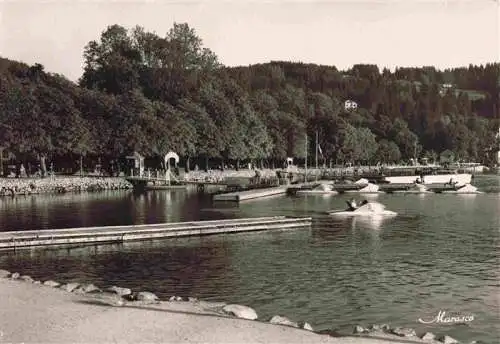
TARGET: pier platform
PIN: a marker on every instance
(117, 234)
(250, 194)
(397, 187)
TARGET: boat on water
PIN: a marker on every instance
(322, 189)
(459, 179)
(364, 187)
(463, 189)
(421, 179)
(366, 208)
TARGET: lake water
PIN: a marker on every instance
(441, 253)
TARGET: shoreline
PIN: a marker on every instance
(72, 184)
(57, 185)
(49, 311)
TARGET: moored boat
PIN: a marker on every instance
(366, 208)
(452, 178)
(418, 174)
(322, 188)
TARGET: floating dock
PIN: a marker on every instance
(397, 187)
(337, 187)
(118, 234)
(250, 194)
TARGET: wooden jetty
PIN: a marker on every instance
(239, 196)
(118, 234)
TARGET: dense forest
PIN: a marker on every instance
(151, 94)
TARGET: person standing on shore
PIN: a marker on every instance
(22, 171)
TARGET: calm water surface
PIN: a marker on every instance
(440, 253)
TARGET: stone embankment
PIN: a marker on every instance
(119, 297)
(28, 186)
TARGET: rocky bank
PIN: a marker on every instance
(28, 186)
(84, 312)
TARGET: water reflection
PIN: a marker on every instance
(373, 222)
(370, 195)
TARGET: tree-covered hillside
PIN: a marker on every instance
(151, 94)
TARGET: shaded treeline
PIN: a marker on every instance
(151, 94)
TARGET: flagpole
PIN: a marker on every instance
(316, 155)
(305, 177)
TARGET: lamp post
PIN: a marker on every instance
(2, 149)
(1, 161)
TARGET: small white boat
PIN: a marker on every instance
(459, 178)
(365, 209)
(467, 189)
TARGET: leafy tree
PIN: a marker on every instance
(148, 93)
(388, 152)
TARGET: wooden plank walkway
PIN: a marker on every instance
(116, 234)
(250, 194)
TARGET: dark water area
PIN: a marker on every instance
(441, 253)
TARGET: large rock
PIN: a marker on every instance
(305, 325)
(359, 329)
(120, 291)
(448, 340)
(428, 337)
(385, 327)
(87, 288)
(4, 273)
(280, 320)
(26, 278)
(239, 311)
(379, 328)
(146, 296)
(404, 332)
(70, 287)
(51, 283)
